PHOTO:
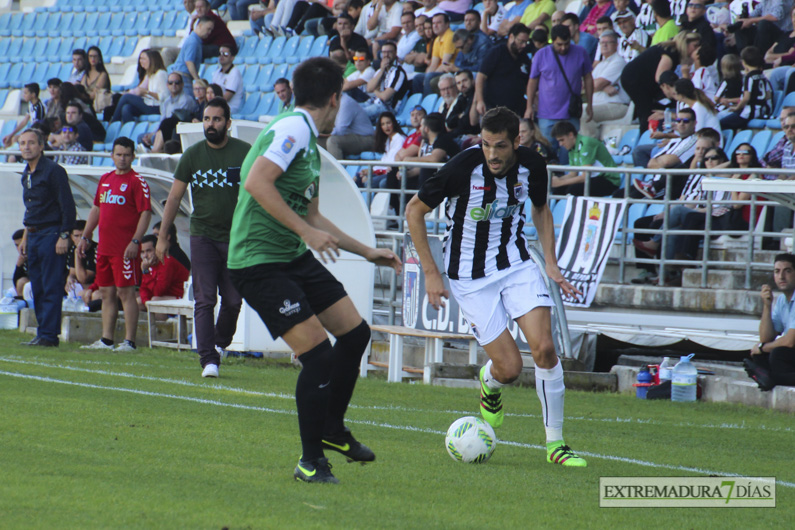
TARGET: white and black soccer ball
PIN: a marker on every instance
(470, 439)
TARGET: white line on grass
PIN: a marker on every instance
(410, 428)
(291, 397)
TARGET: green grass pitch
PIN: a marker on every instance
(104, 440)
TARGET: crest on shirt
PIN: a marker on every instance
(123, 187)
(519, 192)
(288, 144)
(309, 192)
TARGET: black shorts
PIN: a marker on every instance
(286, 294)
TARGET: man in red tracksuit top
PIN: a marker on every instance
(160, 281)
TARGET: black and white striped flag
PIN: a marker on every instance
(583, 245)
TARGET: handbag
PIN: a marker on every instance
(102, 99)
(575, 101)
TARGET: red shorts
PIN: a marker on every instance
(118, 271)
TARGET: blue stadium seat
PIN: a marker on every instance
(760, 142)
(262, 81)
(78, 23)
(3, 96)
(14, 49)
(8, 127)
(739, 138)
(15, 23)
(126, 129)
(66, 71)
(250, 76)
(279, 71)
(26, 51)
(319, 47)
(404, 118)
(81, 42)
(12, 71)
(274, 50)
(25, 24)
(629, 139)
(248, 47)
(51, 51)
(5, 21)
(288, 51)
(129, 47)
(155, 24)
(773, 141)
(115, 48)
(262, 108)
(4, 45)
(103, 22)
(117, 22)
(635, 212)
(248, 107)
(261, 51)
(557, 214)
(302, 51)
(111, 132)
(140, 128)
(39, 50)
(654, 209)
(430, 103)
(54, 71)
(727, 135)
(40, 73)
(91, 22)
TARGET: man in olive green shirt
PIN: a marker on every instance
(583, 151)
(276, 222)
(212, 170)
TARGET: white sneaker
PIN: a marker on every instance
(211, 370)
(98, 345)
(124, 347)
(222, 352)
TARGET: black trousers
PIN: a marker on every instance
(780, 363)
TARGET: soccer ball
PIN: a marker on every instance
(471, 440)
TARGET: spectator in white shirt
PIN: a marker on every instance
(632, 40)
(228, 77)
(355, 84)
(408, 40)
(610, 102)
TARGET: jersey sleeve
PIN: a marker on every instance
(452, 179)
(290, 136)
(537, 180)
(99, 188)
(184, 172)
(141, 194)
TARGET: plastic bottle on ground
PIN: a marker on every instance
(683, 382)
(665, 369)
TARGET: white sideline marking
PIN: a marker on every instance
(291, 397)
(410, 428)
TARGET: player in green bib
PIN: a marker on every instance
(584, 151)
(275, 228)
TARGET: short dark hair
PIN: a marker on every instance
(33, 88)
(54, 81)
(172, 231)
(444, 15)
(687, 110)
(668, 77)
(406, 13)
(282, 81)
(465, 72)
(389, 43)
(18, 234)
(560, 32)
(232, 47)
(434, 122)
(571, 17)
(752, 56)
(149, 238)
(80, 224)
(74, 103)
(518, 28)
(563, 128)
(221, 103)
(315, 81)
(501, 119)
(602, 20)
(786, 256)
(661, 8)
(472, 12)
(707, 54)
(540, 34)
(125, 142)
(35, 131)
(708, 133)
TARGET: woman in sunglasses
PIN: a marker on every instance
(744, 157)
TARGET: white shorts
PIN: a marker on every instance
(488, 303)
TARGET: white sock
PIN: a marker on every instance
(551, 390)
(489, 379)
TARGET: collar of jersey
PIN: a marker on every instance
(309, 120)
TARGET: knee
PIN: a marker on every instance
(508, 370)
(544, 354)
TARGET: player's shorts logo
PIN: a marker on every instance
(289, 308)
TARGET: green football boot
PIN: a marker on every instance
(560, 453)
(490, 403)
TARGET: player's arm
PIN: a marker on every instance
(133, 250)
(545, 225)
(88, 231)
(416, 210)
(178, 189)
(379, 256)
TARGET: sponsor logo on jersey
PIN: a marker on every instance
(289, 308)
(518, 192)
(288, 144)
(493, 211)
(482, 188)
(108, 197)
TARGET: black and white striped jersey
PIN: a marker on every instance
(485, 214)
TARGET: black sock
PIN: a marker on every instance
(107, 342)
(312, 397)
(347, 355)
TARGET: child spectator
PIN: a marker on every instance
(757, 100)
(730, 90)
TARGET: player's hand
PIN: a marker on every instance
(131, 252)
(766, 294)
(81, 248)
(85, 294)
(23, 248)
(529, 112)
(480, 107)
(434, 286)
(385, 258)
(556, 276)
(323, 243)
(62, 246)
(589, 111)
(161, 250)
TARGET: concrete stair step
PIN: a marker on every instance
(725, 279)
(732, 301)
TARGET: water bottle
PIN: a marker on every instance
(644, 378)
(667, 121)
(683, 382)
(665, 369)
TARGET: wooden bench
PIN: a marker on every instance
(182, 308)
(434, 343)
